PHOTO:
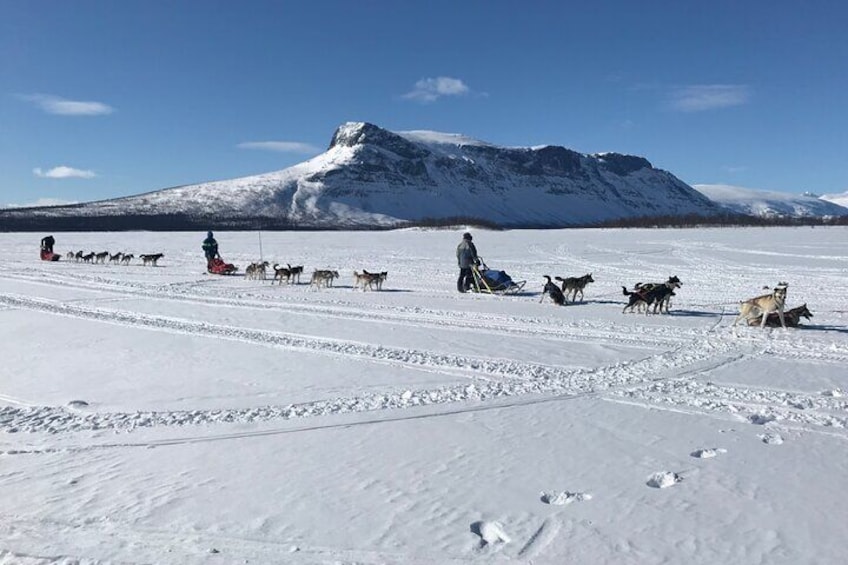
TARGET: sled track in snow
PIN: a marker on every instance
(455, 364)
(548, 328)
(490, 378)
(678, 350)
(778, 406)
(149, 542)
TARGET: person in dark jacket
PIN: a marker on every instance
(466, 257)
(210, 247)
(47, 244)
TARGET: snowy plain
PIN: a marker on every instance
(163, 415)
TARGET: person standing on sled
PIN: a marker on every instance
(466, 256)
(47, 244)
(210, 248)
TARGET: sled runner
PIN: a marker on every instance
(217, 266)
(492, 281)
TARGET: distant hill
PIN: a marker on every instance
(766, 204)
(370, 177)
(839, 199)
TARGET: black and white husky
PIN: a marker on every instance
(552, 290)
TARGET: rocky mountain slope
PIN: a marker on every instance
(371, 177)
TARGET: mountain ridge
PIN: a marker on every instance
(770, 204)
(370, 177)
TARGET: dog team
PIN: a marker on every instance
(289, 274)
(767, 310)
(147, 259)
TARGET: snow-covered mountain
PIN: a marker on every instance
(767, 204)
(840, 199)
(371, 177)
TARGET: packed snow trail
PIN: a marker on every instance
(491, 378)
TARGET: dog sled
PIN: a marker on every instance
(49, 255)
(46, 253)
(492, 281)
(217, 266)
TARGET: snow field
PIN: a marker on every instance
(165, 415)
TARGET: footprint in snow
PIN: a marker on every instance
(761, 419)
(77, 404)
(562, 498)
(707, 453)
(490, 533)
(663, 479)
(771, 438)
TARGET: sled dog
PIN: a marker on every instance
(281, 273)
(125, 260)
(151, 258)
(664, 299)
(101, 257)
(360, 279)
(574, 285)
(116, 258)
(672, 281)
(762, 306)
(377, 279)
(637, 300)
(552, 290)
(645, 296)
(295, 271)
(256, 270)
(792, 317)
(323, 277)
(369, 280)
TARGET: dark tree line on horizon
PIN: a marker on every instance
(183, 222)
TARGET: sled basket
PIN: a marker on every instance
(49, 255)
(217, 266)
(492, 281)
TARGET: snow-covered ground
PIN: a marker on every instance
(163, 415)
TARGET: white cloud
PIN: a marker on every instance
(734, 169)
(280, 146)
(41, 202)
(63, 107)
(431, 89)
(698, 98)
(63, 172)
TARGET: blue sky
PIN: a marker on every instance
(102, 98)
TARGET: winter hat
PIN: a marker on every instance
(209, 234)
(467, 236)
